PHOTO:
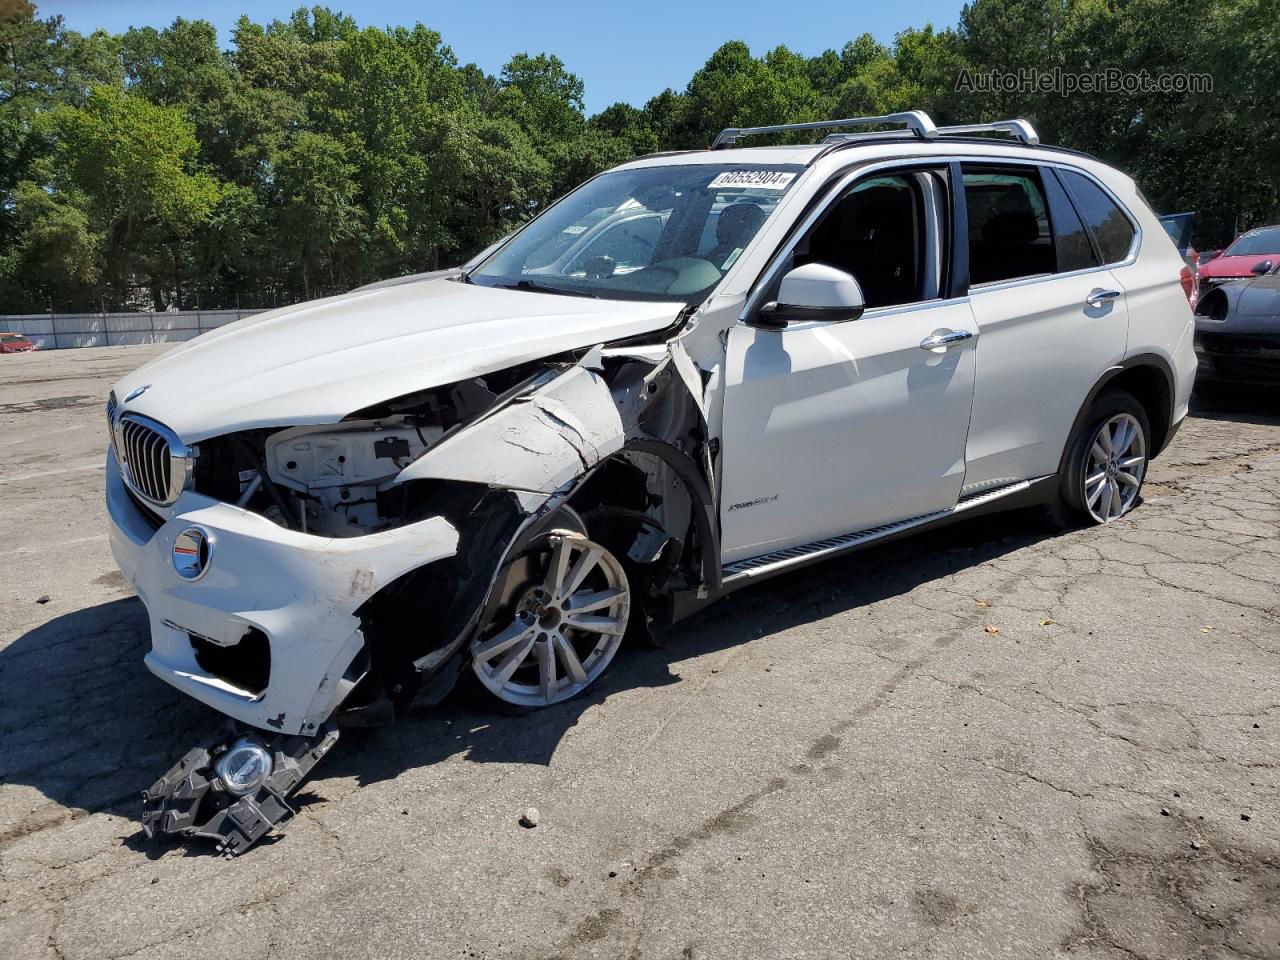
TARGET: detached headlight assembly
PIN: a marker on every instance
(245, 767)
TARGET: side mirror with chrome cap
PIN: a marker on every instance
(814, 292)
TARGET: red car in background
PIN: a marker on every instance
(1251, 255)
(15, 343)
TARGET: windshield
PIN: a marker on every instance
(654, 233)
(1256, 243)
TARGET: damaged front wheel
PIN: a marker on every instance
(564, 606)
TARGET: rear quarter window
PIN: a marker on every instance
(1111, 227)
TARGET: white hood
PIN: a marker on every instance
(319, 361)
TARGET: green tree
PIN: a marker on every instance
(542, 96)
(135, 165)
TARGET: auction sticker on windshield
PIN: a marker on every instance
(752, 179)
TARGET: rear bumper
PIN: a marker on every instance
(302, 592)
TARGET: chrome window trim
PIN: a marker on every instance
(847, 179)
(857, 170)
(992, 285)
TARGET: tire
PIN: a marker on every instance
(1106, 463)
(564, 607)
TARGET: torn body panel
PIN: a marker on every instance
(302, 592)
(537, 443)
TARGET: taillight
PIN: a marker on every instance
(1188, 280)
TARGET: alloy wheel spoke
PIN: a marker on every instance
(608, 625)
(546, 670)
(1099, 495)
(504, 641)
(1098, 455)
(584, 565)
(560, 553)
(1131, 463)
(594, 600)
(1116, 506)
(569, 658)
(1127, 478)
(1096, 478)
(1104, 440)
(1122, 439)
(511, 662)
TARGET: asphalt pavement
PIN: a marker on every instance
(989, 741)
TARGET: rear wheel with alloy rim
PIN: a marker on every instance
(1114, 467)
(563, 607)
(1107, 461)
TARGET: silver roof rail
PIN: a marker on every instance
(917, 121)
(1021, 129)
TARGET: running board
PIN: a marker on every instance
(771, 563)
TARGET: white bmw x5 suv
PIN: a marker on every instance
(696, 370)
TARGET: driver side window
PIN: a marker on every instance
(881, 232)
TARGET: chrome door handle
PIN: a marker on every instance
(943, 339)
(1099, 297)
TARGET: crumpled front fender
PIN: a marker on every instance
(537, 442)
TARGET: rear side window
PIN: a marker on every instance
(1111, 228)
(1009, 234)
(1074, 248)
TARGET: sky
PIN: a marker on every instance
(626, 51)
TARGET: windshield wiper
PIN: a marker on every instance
(535, 287)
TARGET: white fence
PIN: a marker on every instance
(59, 331)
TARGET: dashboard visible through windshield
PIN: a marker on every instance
(652, 233)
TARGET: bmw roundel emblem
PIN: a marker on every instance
(135, 394)
(192, 551)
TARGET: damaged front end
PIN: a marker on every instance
(356, 565)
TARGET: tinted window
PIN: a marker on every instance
(1009, 235)
(1111, 228)
(1070, 238)
(876, 233)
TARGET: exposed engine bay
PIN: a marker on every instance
(339, 480)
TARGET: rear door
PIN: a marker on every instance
(1051, 317)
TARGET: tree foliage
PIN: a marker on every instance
(152, 168)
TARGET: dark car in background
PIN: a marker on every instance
(1251, 254)
(15, 343)
(1238, 333)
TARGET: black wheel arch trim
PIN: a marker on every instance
(1152, 360)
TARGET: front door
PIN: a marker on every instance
(835, 428)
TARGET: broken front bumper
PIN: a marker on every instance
(289, 600)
